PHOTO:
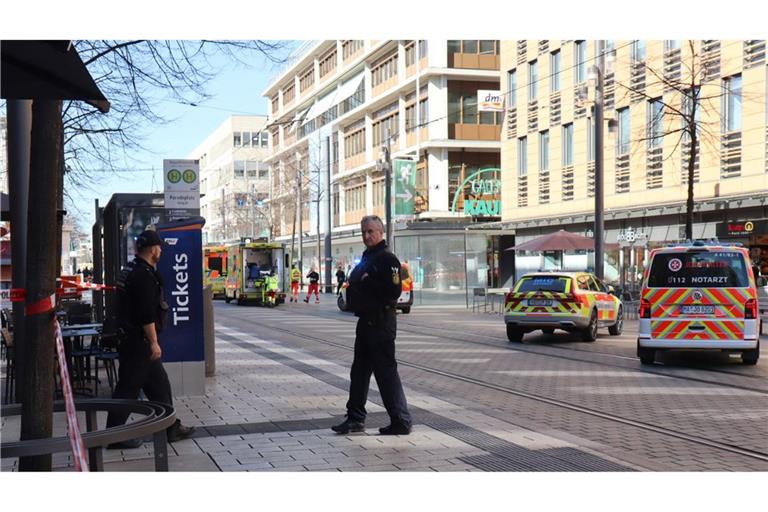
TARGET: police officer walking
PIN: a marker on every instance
(374, 286)
(140, 317)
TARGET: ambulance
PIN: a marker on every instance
(256, 273)
(576, 302)
(215, 268)
(699, 295)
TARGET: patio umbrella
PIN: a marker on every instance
(559, 241)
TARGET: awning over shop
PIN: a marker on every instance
(335, 97)
(47, 70)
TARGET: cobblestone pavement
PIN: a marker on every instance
(479, 403)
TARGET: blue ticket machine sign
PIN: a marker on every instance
(182, 342)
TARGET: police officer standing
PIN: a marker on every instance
(140, 317)
(374, 286)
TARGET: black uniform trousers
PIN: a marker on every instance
(375, 354)
(137, 372)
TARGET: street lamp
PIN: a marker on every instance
(596, 76)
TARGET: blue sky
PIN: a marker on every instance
(235, 91)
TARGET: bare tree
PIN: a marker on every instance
(137, 76)
(688, 108)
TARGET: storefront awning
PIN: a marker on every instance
(348, 88)
(321, 105)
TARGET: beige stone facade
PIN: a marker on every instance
(344, 97)
(638, 172)
(234, 179)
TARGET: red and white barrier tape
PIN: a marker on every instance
(84, 285)
(73, 429)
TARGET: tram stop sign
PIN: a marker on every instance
(405, 186)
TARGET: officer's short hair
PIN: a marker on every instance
(372, 218)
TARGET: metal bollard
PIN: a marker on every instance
(209, 341)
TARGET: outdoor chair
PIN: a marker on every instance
(479, 298)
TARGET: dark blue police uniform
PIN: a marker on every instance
(373, 300)
(139, 299)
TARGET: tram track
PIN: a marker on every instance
(471, 338)
(701, 441)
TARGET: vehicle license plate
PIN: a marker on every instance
(698, 309)
(539, 302)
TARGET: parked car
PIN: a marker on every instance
(571, 301)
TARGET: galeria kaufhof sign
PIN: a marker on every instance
(479, 194)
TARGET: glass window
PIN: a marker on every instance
(671, 44)
(732, 86)
(263, 174)
(255, 139)
(554, 71)
(246, 139)
(580, 61)
(454, 46)
(469, 46)
(593, 286)
(567, 144)
(610, 47)
(544, 151)
(424, 112)
(522, 156)
(454, 107)
(590, 139)
(264, 139)
(622, 141)
(655, 123)
(236, 140)
(512, 87)
(638, 50)
(533, 78)
(469, 109)
(488, 47)
(721, 269)
(542, 283)
(488, 117)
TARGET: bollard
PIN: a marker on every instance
(208, 332)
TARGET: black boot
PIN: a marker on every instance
(348, 426)
(177, 432)
(395, 429)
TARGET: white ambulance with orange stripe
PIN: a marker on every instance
(571, 301)
(699, 295)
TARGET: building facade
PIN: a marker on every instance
(548, 155)
(336, 107)
(234, 180)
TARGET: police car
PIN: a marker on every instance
(699, 295)
(572, 301)
(404, 301)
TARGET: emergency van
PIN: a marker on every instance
(572, 301)
(699, 295)
(256, 273)
(215, 268)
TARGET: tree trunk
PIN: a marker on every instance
(37, 394)
(689, 201)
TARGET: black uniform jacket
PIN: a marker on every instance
(381, 288)
(139, 296)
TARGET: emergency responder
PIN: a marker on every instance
(295, 283)
(374, 286)
(271, 286)
(141, 313)
(314, 285)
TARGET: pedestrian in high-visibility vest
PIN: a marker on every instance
(314, 286)
(295, 281)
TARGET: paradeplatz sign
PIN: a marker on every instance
(182, 184)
